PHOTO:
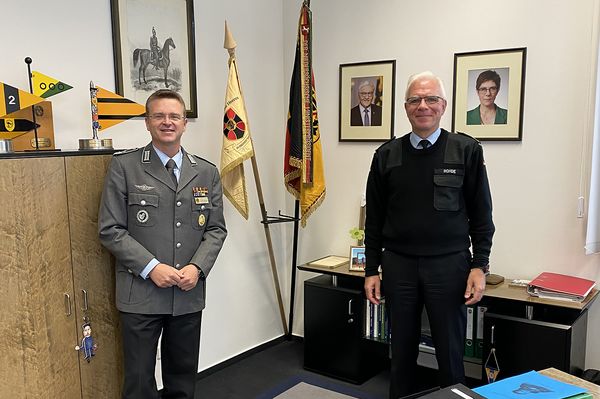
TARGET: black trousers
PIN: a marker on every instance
(180, 345)
(438, 283)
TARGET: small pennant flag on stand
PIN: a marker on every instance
(13, 99)
(237, 143)
(11, 127)
(114, 109)
(45, 86)
(303, 164)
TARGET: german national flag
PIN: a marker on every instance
(114, 109)
(13, 99)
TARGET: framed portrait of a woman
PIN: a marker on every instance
(488, 94)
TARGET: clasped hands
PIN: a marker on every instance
(165, 276)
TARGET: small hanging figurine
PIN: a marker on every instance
(88, 347)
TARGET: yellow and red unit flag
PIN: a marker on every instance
(13, 99)
(114, 109)
(237, 142)
(45, 86)
(303, 163)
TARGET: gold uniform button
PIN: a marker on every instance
(178, 203)
(178, 224)
(178, 245)
(143, 202)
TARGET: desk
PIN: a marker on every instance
(571, 379)
(530, 333)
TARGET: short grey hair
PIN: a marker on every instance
(365, 83)
(426, 75)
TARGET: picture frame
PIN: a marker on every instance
(377, 78)
(470, 101)
(142, 68)
(357, 258)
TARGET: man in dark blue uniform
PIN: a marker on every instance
(428, 202)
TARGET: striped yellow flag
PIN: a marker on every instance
(237, 143)
(45, 86)
(114, 109)
(13, 99)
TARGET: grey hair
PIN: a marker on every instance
(366, 83)
(426, 75)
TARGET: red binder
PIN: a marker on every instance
(560, 286)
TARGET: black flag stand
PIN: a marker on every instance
(28, 61)
(285, 219)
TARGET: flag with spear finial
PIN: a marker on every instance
(237, 142)
(303, 164)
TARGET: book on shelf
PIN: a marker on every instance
(330, 261)
(560, 286)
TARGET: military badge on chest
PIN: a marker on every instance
(142, 216)
(200, 195)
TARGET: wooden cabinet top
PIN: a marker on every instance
(501, 291)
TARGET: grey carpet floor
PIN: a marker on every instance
(264, 371)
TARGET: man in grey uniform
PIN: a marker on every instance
(161, 216)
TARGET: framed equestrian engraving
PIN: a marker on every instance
(367, 101)
(488, 94)
(153, 42)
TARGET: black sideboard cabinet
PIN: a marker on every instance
(527, 333)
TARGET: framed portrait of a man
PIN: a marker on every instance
(367, 92)
(488, 94)
(153, 42)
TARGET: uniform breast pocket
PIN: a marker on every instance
(200, 216)
(143, 209)
(447, 191)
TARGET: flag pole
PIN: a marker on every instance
(265, 224)
(28, 61)
(294, 262)
(230, 45)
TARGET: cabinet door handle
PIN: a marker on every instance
(68, 304)
(350, 308)
(492, 340)
(85, 300)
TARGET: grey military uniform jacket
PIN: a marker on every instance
(143, 216)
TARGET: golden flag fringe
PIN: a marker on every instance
(303, 164)
(237, 142)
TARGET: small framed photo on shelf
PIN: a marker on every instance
(488, 94)
(153, 42)
(357, 259)
(367, 92)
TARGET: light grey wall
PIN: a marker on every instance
(535, 183)
(72, 41)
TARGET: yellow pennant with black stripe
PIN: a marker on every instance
(45, 86)
(13, 99)
(114, 109)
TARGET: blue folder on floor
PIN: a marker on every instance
(531, 385)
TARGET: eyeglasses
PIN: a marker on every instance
(366, 93)
(492, 90)
(429, 100)
(162, 117)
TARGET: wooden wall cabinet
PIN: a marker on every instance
(52, 267)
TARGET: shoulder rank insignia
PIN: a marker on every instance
(126, 151)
